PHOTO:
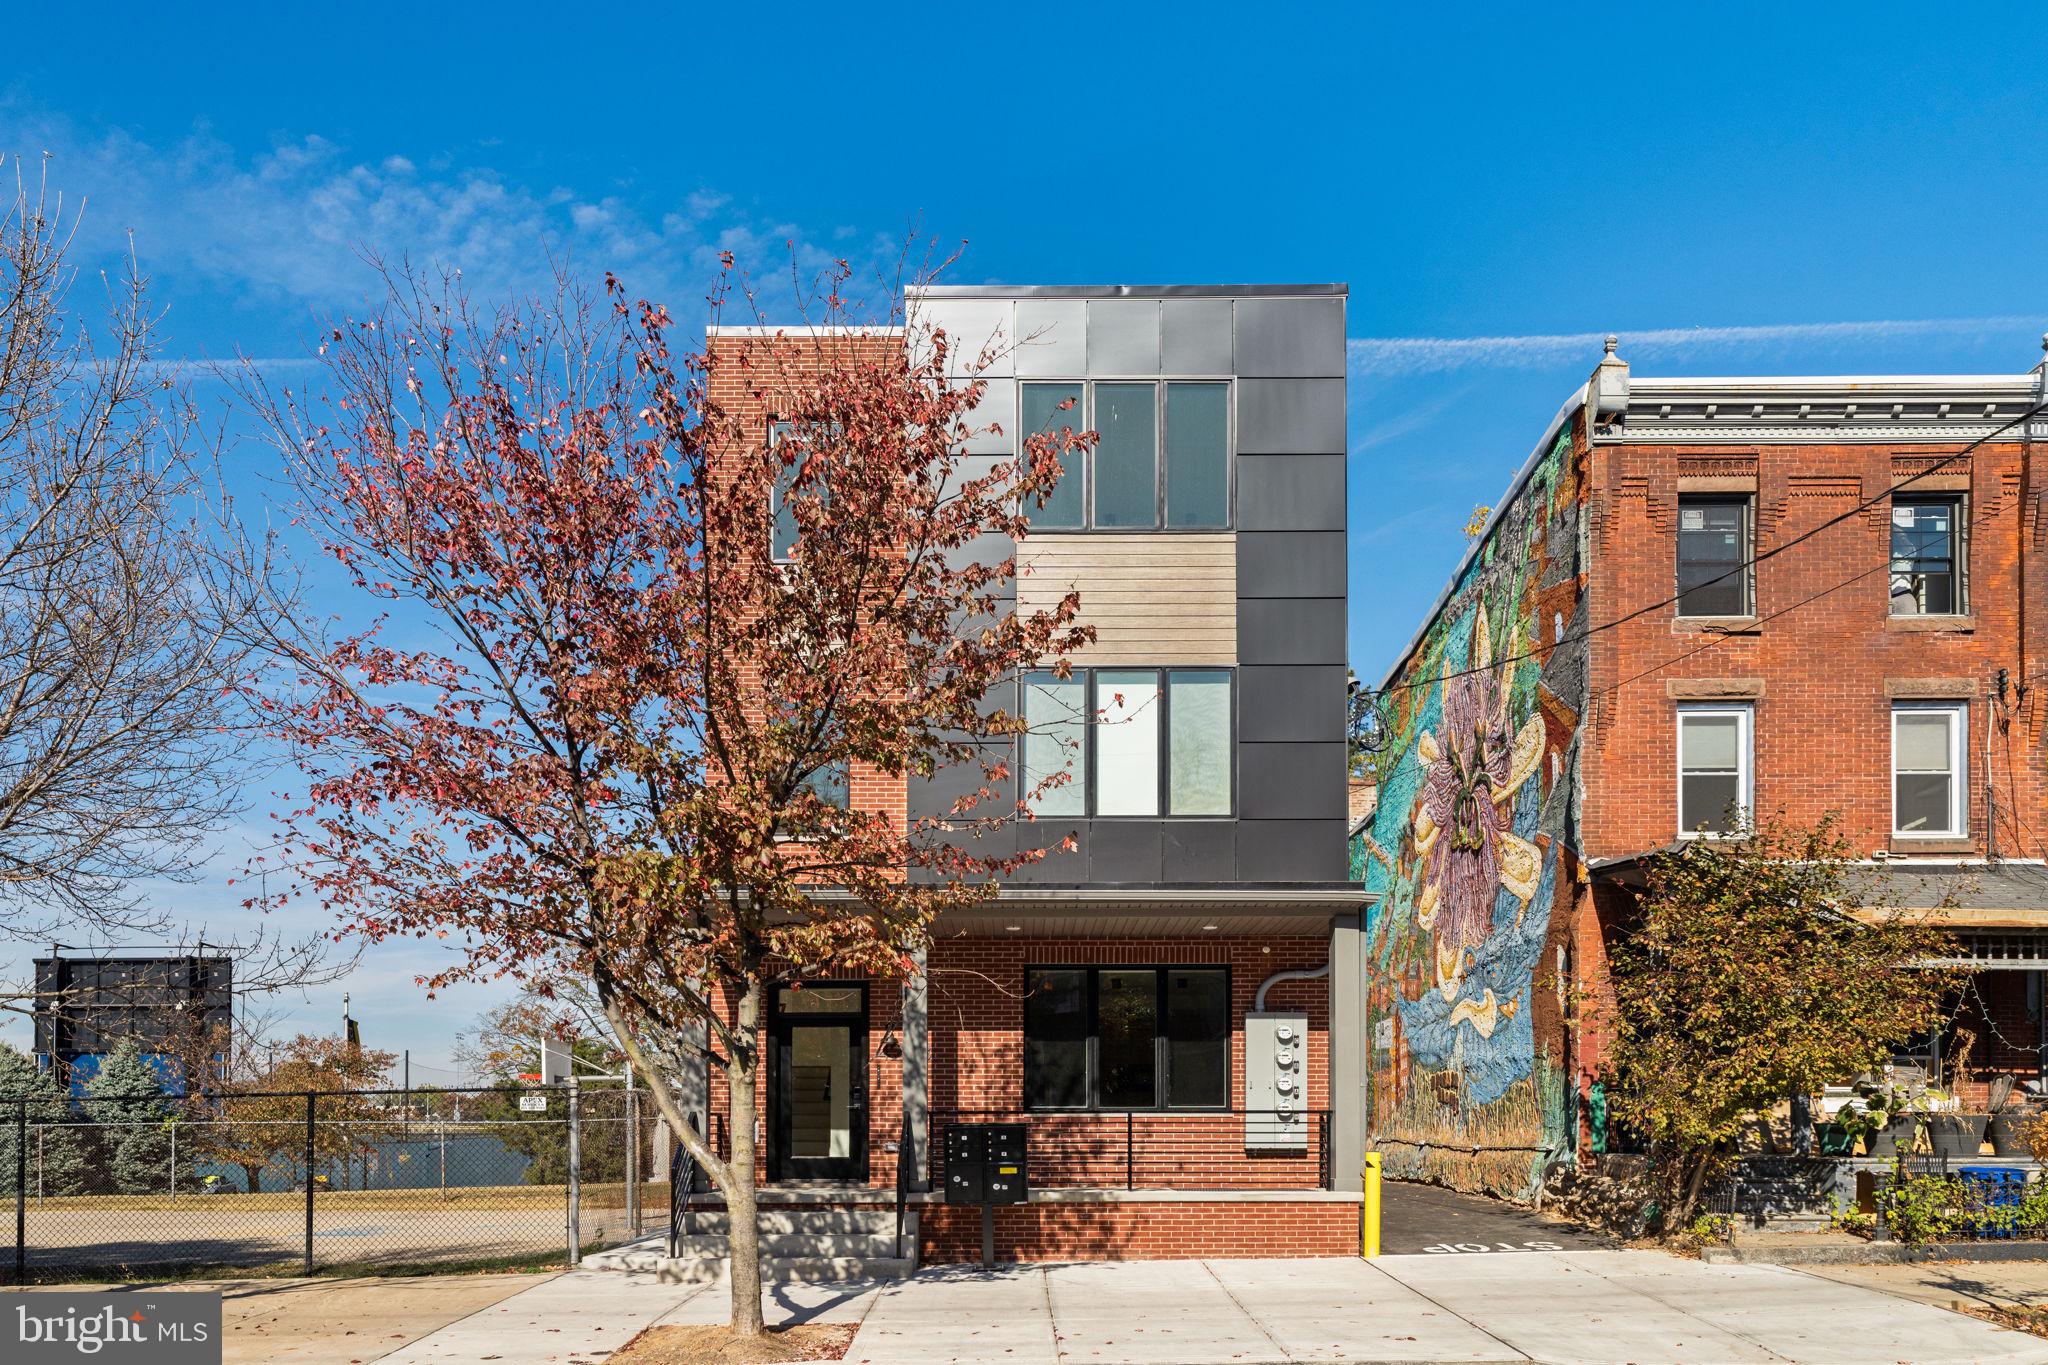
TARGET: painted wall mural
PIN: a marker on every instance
(1475, 834)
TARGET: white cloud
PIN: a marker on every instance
(1416, 355)
(294, 223)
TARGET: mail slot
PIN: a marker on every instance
(986, 1163)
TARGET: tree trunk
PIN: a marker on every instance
(742, 1206)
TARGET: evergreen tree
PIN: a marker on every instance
(136, 1118)
(59, 1153)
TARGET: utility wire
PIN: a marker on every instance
(1742, 568)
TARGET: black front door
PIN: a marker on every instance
(819, 1113)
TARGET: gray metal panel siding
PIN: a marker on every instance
(1290, 630)
(1290, 492)
(997, 408)
(1052, 337)
(1290, 337)
(1126, 852)
(1123, 336)
(1194, 336)
(970, 325)
(1290, 564)
(1290, 416)
(1289, 781)
(1291, 851)
(1291, 703)
(1200, 850)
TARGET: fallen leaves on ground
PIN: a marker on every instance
(718, 1346)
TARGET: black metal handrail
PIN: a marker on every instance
(1160, 1148)
(682, 1182)
(905, 1175)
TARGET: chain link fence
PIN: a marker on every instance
(291, 1182)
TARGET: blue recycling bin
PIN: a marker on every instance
(1993, 1190)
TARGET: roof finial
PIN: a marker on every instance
(1614, 341)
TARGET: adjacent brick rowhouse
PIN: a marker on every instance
(1821, 665)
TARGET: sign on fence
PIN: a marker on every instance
(533, 1104)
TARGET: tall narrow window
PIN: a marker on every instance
(1929, 795)
(1198, 1039)
(1126, 455)
(1056, 1038)
(1047, 409)
(831, 783)
(1198, 757)
(1197, 456)
(1713, 769)
(1713, 555)
(782, 546)
(1127, 742)
(1927, 550)
(1056, 717)
(1126, 1025)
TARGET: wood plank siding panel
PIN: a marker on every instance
(1153, 597)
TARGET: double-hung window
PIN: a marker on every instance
(1927, 556)
(1161, 459)
(1127, 1038)
(1714, 538)
(1714, 770)
(1929, 794)
(1128, 741)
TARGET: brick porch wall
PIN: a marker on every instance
(951, 1234)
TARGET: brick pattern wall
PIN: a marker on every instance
(951, 1234)
(1825, 646)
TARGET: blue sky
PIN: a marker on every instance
(1751, 189)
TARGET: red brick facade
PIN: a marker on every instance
(1179, 1230)
(1825, 652)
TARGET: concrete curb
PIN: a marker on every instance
(1876, 1253)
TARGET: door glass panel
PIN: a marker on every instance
(1127, 1020)
(1198, 1031)
(818, 999)
(821, 1090)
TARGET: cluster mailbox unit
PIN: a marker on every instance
(986, 1164)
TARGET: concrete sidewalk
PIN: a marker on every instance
(1635, 1306)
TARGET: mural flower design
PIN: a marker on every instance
(1472, 768)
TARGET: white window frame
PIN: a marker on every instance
(1745, 754)
(1958, 713)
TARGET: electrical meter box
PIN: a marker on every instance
(1276, 1115)
(986, 1163)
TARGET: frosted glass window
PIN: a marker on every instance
(1127, 743)
(1057, 713)
(1927, 770)
(1713, 769)
(1197, 455)
(1126, 455)
(1041, 413)
(1198, 715)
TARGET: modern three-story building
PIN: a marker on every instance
(1172, 1006)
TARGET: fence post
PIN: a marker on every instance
(575, 1173)
(632, 1155)
(21, 1192)
(309, 1182)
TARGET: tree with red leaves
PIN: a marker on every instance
(586, 737)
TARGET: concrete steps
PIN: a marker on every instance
(799, 1245)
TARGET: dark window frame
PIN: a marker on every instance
(1085, 421)
(1745, 571)
(1092, 704)
(1958, 505)
(1162, 1039)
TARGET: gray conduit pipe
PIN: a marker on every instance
(1299, 974)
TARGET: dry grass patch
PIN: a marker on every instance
(718, 1345)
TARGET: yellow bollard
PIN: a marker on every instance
(1371, 1206)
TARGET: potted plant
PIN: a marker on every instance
(2008, 1119)
(1878, 1116)
(1950, 1131)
